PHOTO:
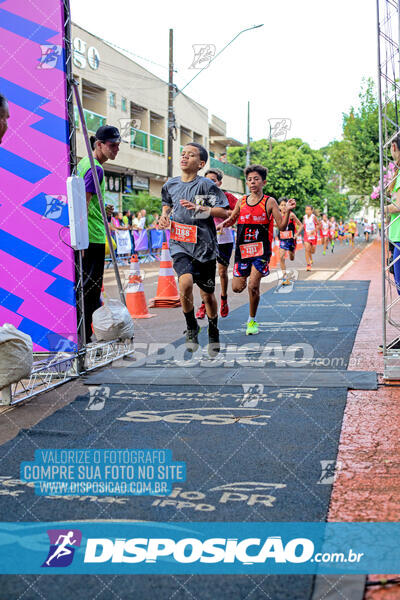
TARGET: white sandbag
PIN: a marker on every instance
(16, 355)
(112, 321)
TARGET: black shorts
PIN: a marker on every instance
(225, 253)
(203, 273)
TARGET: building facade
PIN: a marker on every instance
(116, 90)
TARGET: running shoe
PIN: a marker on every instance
(286, 281)
(201, 313)
(224, 310)
(252, 328)
(324, 252)
(213, 341)
(332, 247)
(192, 339)
(308, 268)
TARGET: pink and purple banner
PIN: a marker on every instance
(37, 273)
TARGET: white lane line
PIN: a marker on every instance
(320, 276)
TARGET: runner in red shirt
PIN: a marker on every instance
(255, 215)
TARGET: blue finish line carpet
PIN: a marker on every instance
(252, 452)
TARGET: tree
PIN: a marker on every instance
(294, 170)
(135, 202)
(355, 159)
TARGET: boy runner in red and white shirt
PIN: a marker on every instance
(255, 215)
(325, 231)
(332, 231)
(311, 226)
(225, 241)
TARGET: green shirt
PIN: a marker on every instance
(394, 229)
(97, 233)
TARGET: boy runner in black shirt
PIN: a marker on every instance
(192, 202)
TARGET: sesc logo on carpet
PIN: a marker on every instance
(62, 547)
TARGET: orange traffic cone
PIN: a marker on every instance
(102, 295)
(275, 254)
(134, 293)
(167, 295)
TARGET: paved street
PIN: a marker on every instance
(258, 444)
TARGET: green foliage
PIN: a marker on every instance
(294, 170)
(342, 174)
(355, 159)
(135, 202)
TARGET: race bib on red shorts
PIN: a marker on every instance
(183, 233)
(311, 234)
(251, 250)
(286, 235)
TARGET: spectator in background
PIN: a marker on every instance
(125, 217)
(136, 221)
(117, 222)
(142, 219)
(105, 146)
(155, 219)
(223, 157)
(4, 116)
(114, 223)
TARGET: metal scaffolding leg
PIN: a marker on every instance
(388, 40)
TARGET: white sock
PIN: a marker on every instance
(251, 319)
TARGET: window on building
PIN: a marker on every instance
(123, 104)
(112, 99)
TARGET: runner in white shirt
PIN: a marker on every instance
(367, 230)
(225, 239)
(332, 232)
(325, 231)
(311, 226)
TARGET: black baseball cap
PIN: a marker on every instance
(108, 133)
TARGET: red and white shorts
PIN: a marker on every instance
(310, 240)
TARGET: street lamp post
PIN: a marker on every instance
(173, 92)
